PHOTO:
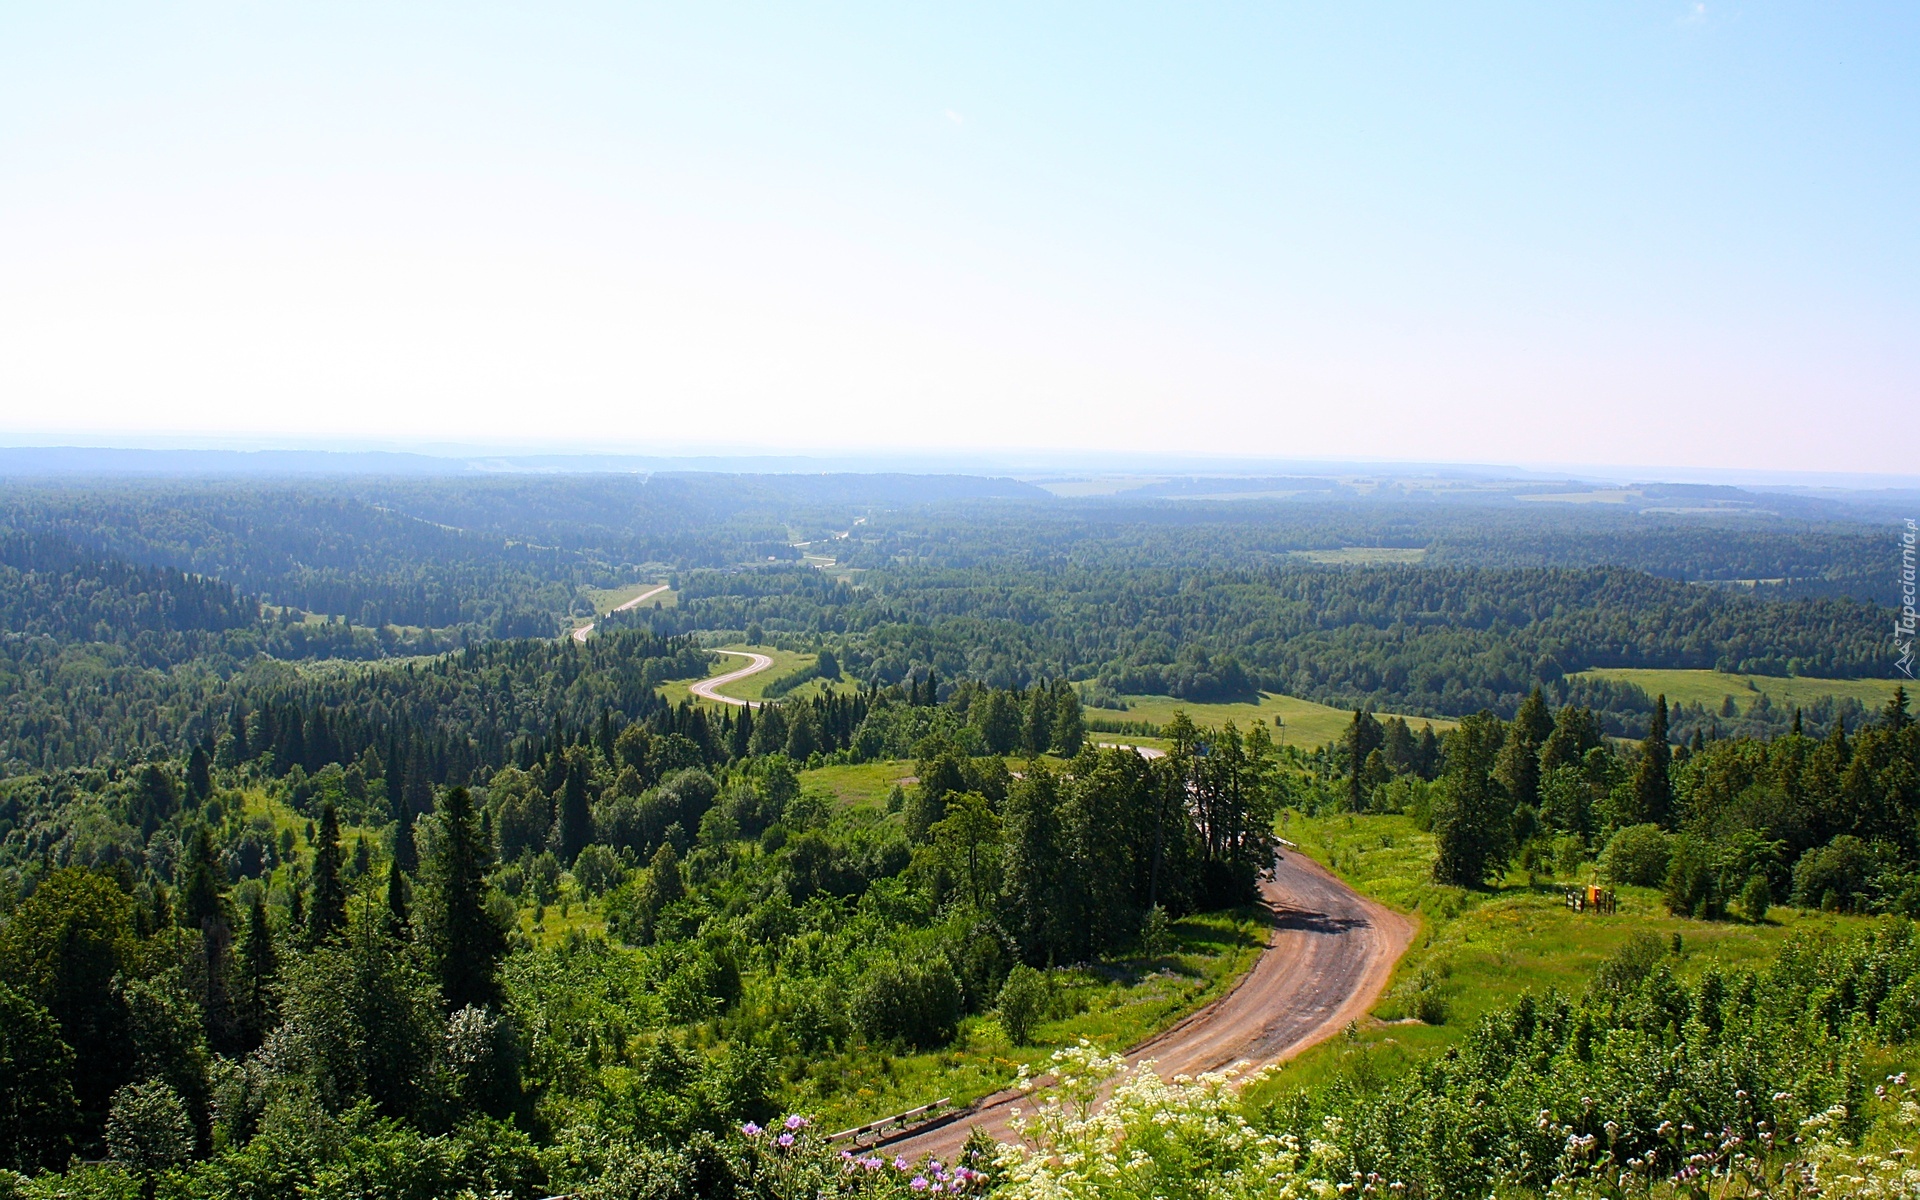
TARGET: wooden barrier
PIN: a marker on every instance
(896, 1121)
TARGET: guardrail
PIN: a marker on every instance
(896, 1121)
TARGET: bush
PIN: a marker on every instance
(1023, 1000)
(1156, 932)
(1691, 887)
(1637, 855)
(915, 1003)
(148, 1129)
(598, 870)
(1757, 897)
(1837, 877)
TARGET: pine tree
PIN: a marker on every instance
(1652, 779)
(1472, 816)
(740, 743)
(573, 826)
(199, 775)
(1363, 737)
(328, 914)
(200, 900)
(406, 853)
(1519, 768)
(1895, 715)
(464, 942)
(399, 907)
(259, 969)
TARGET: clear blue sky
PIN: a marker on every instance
(1646, 233)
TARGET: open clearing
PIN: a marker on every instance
(1711, 688)
(1305, 723)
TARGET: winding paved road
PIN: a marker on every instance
(706, 689)
(580, 634)
(1327, 959)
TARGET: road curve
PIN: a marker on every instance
(1328, 957)
(580, 634)
(706, 689)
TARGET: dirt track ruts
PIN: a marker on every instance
(1328, 957)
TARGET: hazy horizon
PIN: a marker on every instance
(1675, 236)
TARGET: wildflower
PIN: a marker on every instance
(919, 1183)
(750, 1129)
(899, 1164)
(786, 1140)
(796, 1121)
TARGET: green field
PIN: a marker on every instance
(860, 785)
(1481, 950)
(1305, 724)
(605, 600)
(1711, 688)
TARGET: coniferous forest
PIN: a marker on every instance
(333, 863)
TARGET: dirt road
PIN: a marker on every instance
(580, 634)
(706, 689)
(1328, 958)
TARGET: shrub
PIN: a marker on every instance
(148, 1129)
(1637, 855)
(1023, 999)
(914, 1003)
(598, 870)
(1838, 876)
(1757, 897)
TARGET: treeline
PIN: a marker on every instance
(1440, 640)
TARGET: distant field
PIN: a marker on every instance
(1305, 723)
(605, 600)
(1364, 555)
(1712, 687)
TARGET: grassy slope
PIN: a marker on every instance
(1489, 947)
(1711, 687)
(1306, 724)
(605, 600)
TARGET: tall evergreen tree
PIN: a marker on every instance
(1652, 779)
(399, 904)
(199, 775)
(1472, 815)
(406, 852)
(255, 999)
(1519, 766)
(200, 882)
(327, 911)
(464, 942)
(1363, 737)
(573, 823)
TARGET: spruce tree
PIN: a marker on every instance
(259, 969)
(1652, 779)
(1472, 815)
(573, 827)
(464, 942)
(1363, 737)
(200, 901)
(399, 907)
(327, 915)
(199, 775)
(406, 854)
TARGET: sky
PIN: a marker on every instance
(1652, 233)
